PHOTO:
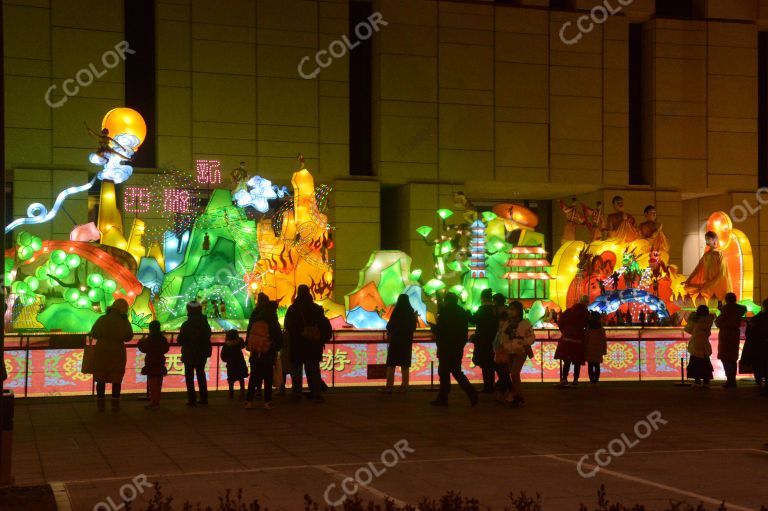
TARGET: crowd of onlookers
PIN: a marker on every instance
(502, 340)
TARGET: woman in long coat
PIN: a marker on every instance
(111, 331)
(755, 352)
(570, 346)
(400, 330)
(700, 349)
(308, 331)
(729, 337)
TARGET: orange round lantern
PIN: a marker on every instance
(125, 120)
(720, 223)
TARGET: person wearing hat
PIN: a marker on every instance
(111, 331)
(195, 341)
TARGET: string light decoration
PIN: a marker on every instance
(176, 201)
(239, 226)
(137, 199)
(208, 172)
(322, 193)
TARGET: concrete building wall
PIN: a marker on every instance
(473, 96)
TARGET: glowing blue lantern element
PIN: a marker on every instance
(361, 318)
(174, 249)
(415, 297)
(150, 274)
(115, 166)
(260, 192)
(610, 302)
(38, 214)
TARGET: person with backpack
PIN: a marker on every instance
(308, 330)
(264, 340)
(195, 341)
(232, 355)
(154, 346)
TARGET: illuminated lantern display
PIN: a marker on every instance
(208, 171)
(386, 276)
(222, 247)
(528, 271)
(125, 121)
(125, 130)
(477, 250)
(136, 199)
(297, 251)
(176, 200)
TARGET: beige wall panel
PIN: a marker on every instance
(222, 97)
(175, 11)
(174, 151)
(24, 146)
(25, 105)
(334, 161)
(465, 165)
(74, 50)
(232, 12)
(680, 80)
(421, 73)
(576, 118)
(522, 48)
(456, 61)
(396, 172)
(224, 57)
(681, 137)
(407, 39)
(522, 85)
(525, 21)
(26, 32)
(522, 145)
(174, 47)
(104, 15)
(174, 111)
(407, 12)
(689, 175)
(466, 127)
(404, 139)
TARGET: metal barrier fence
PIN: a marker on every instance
(49, 364)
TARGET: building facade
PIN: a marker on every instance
(530, 100)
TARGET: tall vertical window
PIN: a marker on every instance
(762, 109)
(360, 133)
(636, 104)
(140, 72)
(674, 8)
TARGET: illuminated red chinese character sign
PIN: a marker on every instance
(176, 200)
(136, 199)
(208, 171)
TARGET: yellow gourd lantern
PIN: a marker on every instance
(125, 120)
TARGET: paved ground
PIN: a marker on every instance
(709, 449)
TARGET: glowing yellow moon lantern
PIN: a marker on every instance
(125, 120)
